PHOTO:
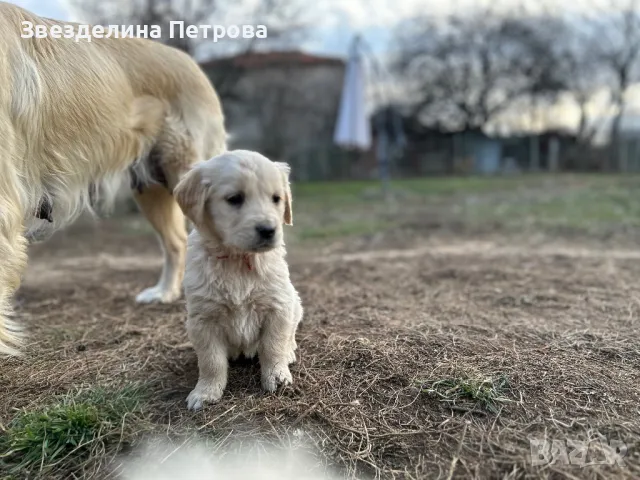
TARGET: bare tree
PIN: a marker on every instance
(282, 17)
(148, 13)
(615, 44)
(470, 69)
(284, 20)
(583, 73)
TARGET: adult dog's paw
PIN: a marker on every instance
(274, 376)
(157, 295)
(209, 392)
(292, 357)
(294, 347)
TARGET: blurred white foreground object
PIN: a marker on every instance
(196, 462)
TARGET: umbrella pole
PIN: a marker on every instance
(384, 175)
(382, 152)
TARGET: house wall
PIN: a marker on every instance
(288, 113)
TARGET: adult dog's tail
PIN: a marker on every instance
(13, 253)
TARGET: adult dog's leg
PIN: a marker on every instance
(13, 260)
(164, 214)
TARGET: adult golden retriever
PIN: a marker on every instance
(76, 117)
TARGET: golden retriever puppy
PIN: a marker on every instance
(240, 299)
(78, 117)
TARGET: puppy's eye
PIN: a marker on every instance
(236, 200)
(276, 199)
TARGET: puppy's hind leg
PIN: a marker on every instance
(166, 217)
(13, 261)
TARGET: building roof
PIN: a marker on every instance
(258, 60)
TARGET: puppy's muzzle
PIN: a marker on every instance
(265, 236)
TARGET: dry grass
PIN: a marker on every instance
(449, 360)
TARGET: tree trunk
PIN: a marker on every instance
(615, 155)
(582, 126)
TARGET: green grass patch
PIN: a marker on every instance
(484, 394)
(66, 433)
(342, 229)
(422, 185)
(586, 207)
(585, 203)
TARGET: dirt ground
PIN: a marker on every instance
(394, 326)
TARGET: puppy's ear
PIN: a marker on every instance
(285, 169)
(191, 193)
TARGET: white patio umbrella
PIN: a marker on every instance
(353, 130)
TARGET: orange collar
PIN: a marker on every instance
(246, 258)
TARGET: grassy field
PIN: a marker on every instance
(466, 328)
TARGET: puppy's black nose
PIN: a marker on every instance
(266, 233)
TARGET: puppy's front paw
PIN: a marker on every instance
(274, 376)
(209, 392)
(157, 295)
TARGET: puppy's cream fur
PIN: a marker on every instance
(240, 299)
(78, 116)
